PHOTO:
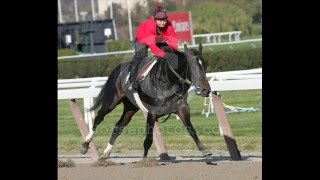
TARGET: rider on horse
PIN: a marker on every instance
(153, 33)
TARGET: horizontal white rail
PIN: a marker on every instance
(88, 88)
(81, 85)
(213, 36)
(219, 81)
(82, 80)
(229, 43)
(237, 77)
(78, 93)
(230, 85)
(239, 72)
(99, 81)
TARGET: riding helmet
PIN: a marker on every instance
(160, 13)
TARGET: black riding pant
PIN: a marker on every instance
(141, 51)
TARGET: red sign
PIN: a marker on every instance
(182, 25)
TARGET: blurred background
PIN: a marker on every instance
(117, 20)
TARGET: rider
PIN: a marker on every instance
(152, 33)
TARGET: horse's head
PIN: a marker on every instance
(198, 74)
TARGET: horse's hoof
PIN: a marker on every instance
(83, 151)
(164, 156)
(102, 158)
(206, 153)
(85, 147)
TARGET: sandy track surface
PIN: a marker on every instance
(186, 165)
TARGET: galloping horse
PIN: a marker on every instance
(164, 90)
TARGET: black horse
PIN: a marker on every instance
(163, 91)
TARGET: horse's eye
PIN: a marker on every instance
(200, 62)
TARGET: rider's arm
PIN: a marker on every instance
(171, 38)
(150, 40)
(156, 50)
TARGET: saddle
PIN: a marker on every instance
(145, 67)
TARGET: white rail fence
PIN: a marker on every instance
(89, 88)
(232, 80)
(214, 36)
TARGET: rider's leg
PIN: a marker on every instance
(133, 73)
(141, 51)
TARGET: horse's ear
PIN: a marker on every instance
(200, 48)
(185, 47)
(186, 50)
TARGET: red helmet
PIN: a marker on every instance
(160, 13)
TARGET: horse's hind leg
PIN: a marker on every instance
(149, 136)
(128, 111)
(108, 105)
(184, 114)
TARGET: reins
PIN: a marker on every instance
(182, 81)
(186, 80)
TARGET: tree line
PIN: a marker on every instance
(208, 16)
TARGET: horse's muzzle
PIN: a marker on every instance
(205, 93)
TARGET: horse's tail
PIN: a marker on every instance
(111, 79)
(99, 98)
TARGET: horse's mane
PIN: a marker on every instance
(167, 48)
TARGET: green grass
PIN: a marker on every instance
(246, 127)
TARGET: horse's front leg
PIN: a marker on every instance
(149, 136)
(184, 114)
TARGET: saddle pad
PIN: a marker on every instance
(144, 72)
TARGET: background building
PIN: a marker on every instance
(103, 5)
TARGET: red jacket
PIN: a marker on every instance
(146, 34)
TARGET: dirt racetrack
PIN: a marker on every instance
(179, 167)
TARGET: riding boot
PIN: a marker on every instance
(133, 74)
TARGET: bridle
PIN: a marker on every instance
(184, 80)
